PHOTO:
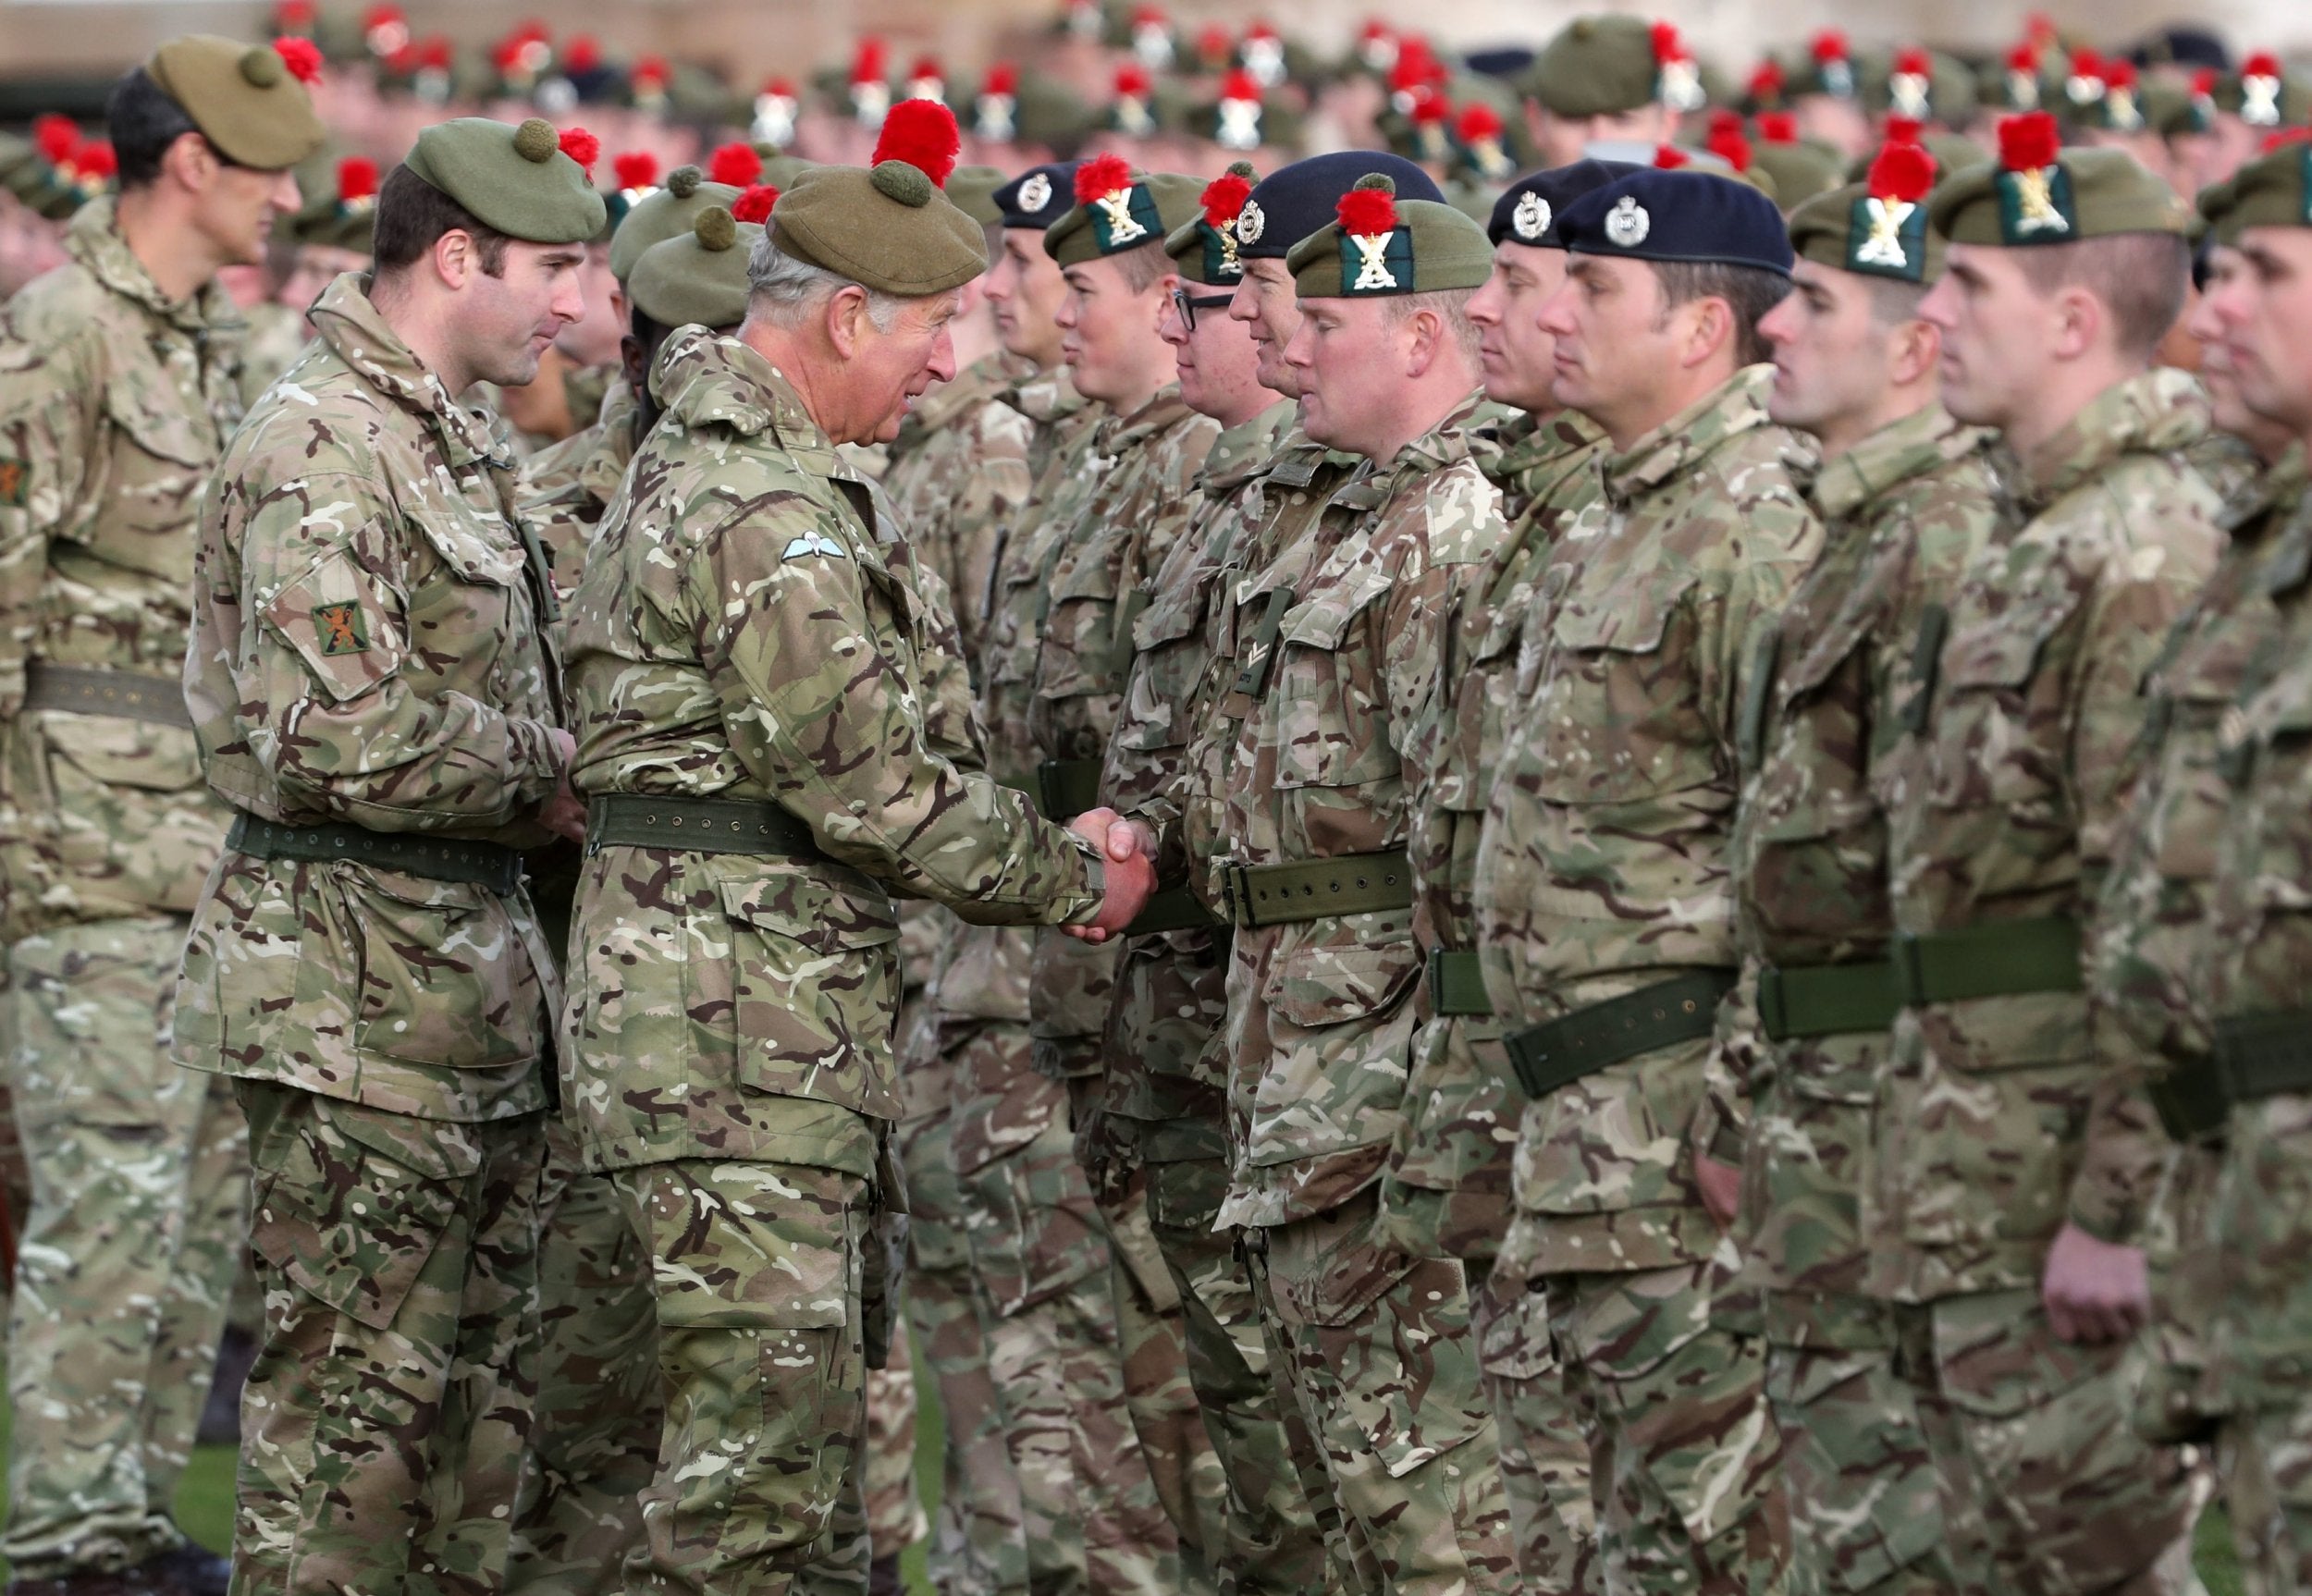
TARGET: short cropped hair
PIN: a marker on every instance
(413, 216)
(1749, 292)
(2139, 278)
(142, 122)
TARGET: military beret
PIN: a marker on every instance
(1379, 246)
(699, 275)
(1877, 226)
(1607, 64)
(2176, 109)
(972, 189)
(1678, 216)
(1830, 69)
(1204, 251)
(1800, 168)
(1296, 200)
(1953, 153)
(1528, 212)
(1245, 117)
(517, 181)
(1048, 112)
(1117, 209)
(2037, 193)
(1924, 85)
(2263, 93)
(340, 203)
(248, 100)
(2273, 191)
(667, 213)
(887, 225)
(1038, 197)
(780, 171)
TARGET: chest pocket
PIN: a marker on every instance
(2189, 805)
(149, 503)
(1085, 619)
(1991, 740)
(1166, 667)
(1482, 691)
(1619, 726)
(1330, 698)
(1814, 725)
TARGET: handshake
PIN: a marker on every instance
(1129, 848)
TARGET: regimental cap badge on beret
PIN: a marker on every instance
(1122, 210)
(1376, 249)
(2021, 81)
(1128, 111)
(1627, 224)
(995, 109)
(1911, 85)
(1035, 194)
(2260, 84)
(1530, 220)
(1834, 63)
(1237, 115)
(1223, 206)
(1478, 130)
(1251, 222)
(1676, 76)
(2036, 203)
(775, 111)
(1887, 234)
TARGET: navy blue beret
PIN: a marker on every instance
(1040, 196)
(1295, 200)
(1678, 216)
(1528, 212)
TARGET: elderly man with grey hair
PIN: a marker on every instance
(771, 745)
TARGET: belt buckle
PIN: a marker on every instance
(1235, 894)
(1905, 955)
(1772, 1012)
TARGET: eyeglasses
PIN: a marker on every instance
(1188, 304)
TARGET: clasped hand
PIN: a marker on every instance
(1131, 871)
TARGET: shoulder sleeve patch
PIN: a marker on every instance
(16, 483)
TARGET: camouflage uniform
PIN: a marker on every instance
(1905, 510)
(2253, 962)
(2149, 981)
(1998, 1117)
(118, 403)
(1375, 1340)
(277, 336)
(731, 1012)
(1601, 873)
(369, 648)
(1447, 1190)
(565, 488)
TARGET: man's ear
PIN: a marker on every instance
(1424, 335)
(456, 259)
(2082, 321)
(1711, 327)
(191, 162)
(846, 319)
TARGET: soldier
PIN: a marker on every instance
(2011, 1145)
(1906, 497)
(373, 689)
(122, 367)
(1603, 80)
(1105, 530)
(1373, 1339)
(2250, 961)
(1602, 914)
(1453, 1155)
(758, 765)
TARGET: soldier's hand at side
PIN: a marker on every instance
(565, 813)
(1131, 875)
(1721, 1189)
(2094, 1291)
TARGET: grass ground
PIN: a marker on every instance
(204, 1502)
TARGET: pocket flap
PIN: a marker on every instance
(168, 431)
(2004, 651)
(1171, 616)
(1091, 573)
(1329, 985)
(1322, 621)
(121, 752)
(806, 909)
(477, 546)
(1631, 618)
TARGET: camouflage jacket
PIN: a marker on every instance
(1448, 1185)
(958, 475)
(1601, 865)
(370, 647)
(278, 333)
(118, 403)
(2149, 981)
(1164, 1090)
(1905, 510)
(564, 488)
(746, 630)
(1320, 1014)
(2005, 804)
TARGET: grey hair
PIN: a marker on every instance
(782, 288)
(1450, 306)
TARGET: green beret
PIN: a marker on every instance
(340, 202)
(1128, 209)
(243, 97)
(514, 180)
(1953, 153)
(667, 213)
(1048, 113)
(888, 229)
(972, 189)
(1944, 92)
(2272, 190)
(1595, 67)
(1829, 68)
(1876, 227)
(2024, 200)
(2176, 109)
(1798, 170)
(1425, 247)
(780, 171)
(1204, 251)
(696, 276)
(2263, 93)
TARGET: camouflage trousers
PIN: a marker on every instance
(1544, 1449)
(1270, 1541)
(593, 1438)
(760, 1272)
(2266, 1452)
(1685, 1464)
(1157, 1395)
(384, 1426)
(1864, 1513)
(138, 1176)
(2047, 1490)
(894, 1512)
(2181, 1398)
(1381, 1356)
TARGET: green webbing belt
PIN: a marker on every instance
(1457, 984)
(696, 826)
(1174, 909)
(1560, 1053)
(1318, 888)
(1827, 999)
(490, 865)
(2193, 1103)
(2265, 1055)
(125, 694)
(1065, 787)
(2003, 959)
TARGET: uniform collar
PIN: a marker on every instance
(1448, 443)
(94, 239)
(1530, 442)
(974, 385)
(707, 380)
(1243, 450)
(2270, 499)
(2157, 413)
(605, 465)
(1890, 456)
(348, 321)
(1680, 443)
(1047, 397)
(1165, 409)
